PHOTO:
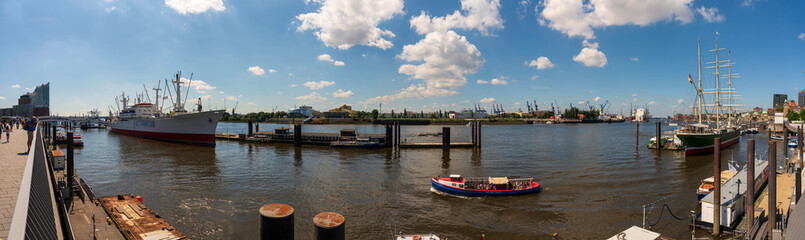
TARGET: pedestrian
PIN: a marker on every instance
(29, 127)
(8, 132)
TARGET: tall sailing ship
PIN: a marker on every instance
(147, 120)
(699, 138)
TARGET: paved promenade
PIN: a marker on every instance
(12, 165)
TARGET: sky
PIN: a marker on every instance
(416, 55)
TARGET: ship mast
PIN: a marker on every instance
(717, 91)
(699, 89)
(177, 104)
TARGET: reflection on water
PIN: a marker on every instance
(594, 178)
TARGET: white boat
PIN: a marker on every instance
(428, 236)
(146, 120)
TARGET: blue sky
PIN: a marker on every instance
(419, 55)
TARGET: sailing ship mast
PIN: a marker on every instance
(699, 88)
(718, 90)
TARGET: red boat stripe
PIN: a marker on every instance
(181, 137)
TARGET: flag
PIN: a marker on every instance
(690, 79)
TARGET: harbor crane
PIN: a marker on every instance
(236, 106)
(602, 107)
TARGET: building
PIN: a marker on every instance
(467, 114)
(36, 103)
(301, 112)
(6, 112)
(779, 100)
(757, 110)
(801, 98)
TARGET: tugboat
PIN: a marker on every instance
(484, 186)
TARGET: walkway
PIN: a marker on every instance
(12, 165)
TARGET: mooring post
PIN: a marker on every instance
(276, 222)
(772, 188)
(472, 126)
(53, 138)
(387, 143)
(799, 145)
(250, 128)
(480, 139)
(70, 164)
(329, 226)
(399, 133)
(750, 183)
(658, 139)
(297, 135)
(637, 136)
(256, 127)
(717, 183)
(446, 138)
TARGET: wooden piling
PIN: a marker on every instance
(771, 190)
(329, 226)
(53, 138)
(297, 135)
(250, 128)
(637, 136)
(472, 126)
(785, 143)
(717, 190)
(387, 143)
(446, 139)
(750, 183)
(658, 140)
(70, 164)
(479, 134)
(276, 222)
(256, 127)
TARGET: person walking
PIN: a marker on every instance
(8, 132)
(29, 126)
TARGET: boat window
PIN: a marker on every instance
(454, 184)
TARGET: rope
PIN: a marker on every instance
(665, 206)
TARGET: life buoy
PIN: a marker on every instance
(416, 237)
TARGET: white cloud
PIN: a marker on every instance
(198, 85)
(577, 18)
(634, 59)
(445, 57)
(488, 100)
(580, 102)
(327, 58)
(294, 85)
(498, 81)
(801, 36)
(652, 103)
(534, 78)
(748, 3)
(343, 94)
(541, 63)
(596, 99)
(206, 97)
(483, 15)
(634, 94)
(272, 70)
(312, 97)
(2, 98)
(634, 99)
(256, 70)
(291, 75)
(710, 14)
(231, 98)
(482, 81)
(16, 86)
(185, 7)
(318, 85)
(680, 101)
(590, 56)
(344, 23)
(110, 9)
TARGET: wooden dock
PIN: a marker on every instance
(437, 145)
(136, 220)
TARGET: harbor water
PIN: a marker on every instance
(595, 181)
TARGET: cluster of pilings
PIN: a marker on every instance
(277, 223)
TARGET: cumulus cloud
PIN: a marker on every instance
(311, 98)
(590, 56)
(634, 59)
(110, 9)
(596, 99)
(294, 85)
(2, 98)
(577, 18)
(541, 63)
(256, 70)
(445, 57)
(534, 78)
(343, 94)
(680, 101)
(345, 23)
(710, 14)
(199, 85)
(483, 15)
(318, 85)
(634, 94)
(495, 81)
(580, 102)
(482, 81)
(272, 70)
(16, 86)
(801, 37)
(291, 75)
(652, 103)
(488, 100)
(206, 97)
(185, 7)
(328, 58)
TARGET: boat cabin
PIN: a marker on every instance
(456, 178)
(282, 130)
(140, 110)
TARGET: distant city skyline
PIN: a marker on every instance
(415, 55)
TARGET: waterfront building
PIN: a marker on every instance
(36, 103)
(6, 112)
(779, 100)
(801, 98)
(302, 111)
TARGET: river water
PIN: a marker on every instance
(594, 178)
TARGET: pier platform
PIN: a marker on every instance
(13, 165)
(437, 145)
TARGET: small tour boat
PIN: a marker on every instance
(430, 134)
(708, 184)
(349, 142)
(77, 141)
(777, 137)
(428, 236)
(484, 186)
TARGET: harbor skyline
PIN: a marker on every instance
(414, 55)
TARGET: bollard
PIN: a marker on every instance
(250, 128)
(446, 139)
(637, 136)
(717, 183)
(276, 222)
(297, 135)
(658, 140)
(750, 183)
(329, 226)
(70, 164)
(772, 188)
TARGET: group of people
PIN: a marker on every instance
(29, 125)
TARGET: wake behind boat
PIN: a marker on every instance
(147, 120)
(484, 186)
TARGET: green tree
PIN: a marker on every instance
(375, 114)
(792, 116)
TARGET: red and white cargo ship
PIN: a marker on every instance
(145, 119)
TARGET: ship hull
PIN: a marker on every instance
(192, 128)
(697, 144)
